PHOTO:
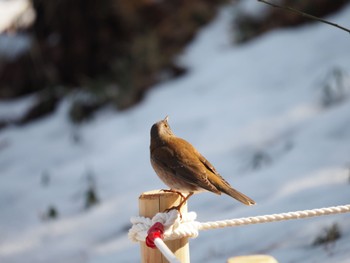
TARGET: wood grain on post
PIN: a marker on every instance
(151, 203)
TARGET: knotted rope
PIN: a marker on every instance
(175, 227)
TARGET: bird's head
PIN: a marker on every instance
(161, 130)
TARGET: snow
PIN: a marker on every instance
(11, 46)
(255, 111)
(15, 109)
(15, 12)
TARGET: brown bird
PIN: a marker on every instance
(181, 167)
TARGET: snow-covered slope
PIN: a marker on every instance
(273, 116)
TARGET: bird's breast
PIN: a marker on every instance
(173, 181)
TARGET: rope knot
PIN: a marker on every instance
(156, 231)
(174, 227)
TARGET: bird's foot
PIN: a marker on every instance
(178, 207)
(174, 191)
(173, 208)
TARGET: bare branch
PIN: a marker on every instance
(305, 15)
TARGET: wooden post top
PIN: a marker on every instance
(252, 259)
(155, 194)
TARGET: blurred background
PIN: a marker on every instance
(263, 93)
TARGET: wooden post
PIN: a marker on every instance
(151, 203)
(252, 259)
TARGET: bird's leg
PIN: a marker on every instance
(174, 191)
(178, 207)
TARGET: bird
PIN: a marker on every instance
(184, 169)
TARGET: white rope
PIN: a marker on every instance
(176, 228)
(167, 253)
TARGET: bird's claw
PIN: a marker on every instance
(178, 208)
(174, 191)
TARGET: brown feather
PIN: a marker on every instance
(183, 168)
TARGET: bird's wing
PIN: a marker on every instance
(222, 185)
(213, 176)
(191, 170)
(207, 164)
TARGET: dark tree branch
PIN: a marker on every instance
(290, 9)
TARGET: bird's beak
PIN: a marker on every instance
(166, 118)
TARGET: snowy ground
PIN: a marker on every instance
(258, 112)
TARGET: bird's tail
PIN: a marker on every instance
(239, 196)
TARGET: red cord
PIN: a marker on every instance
(155, 231)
